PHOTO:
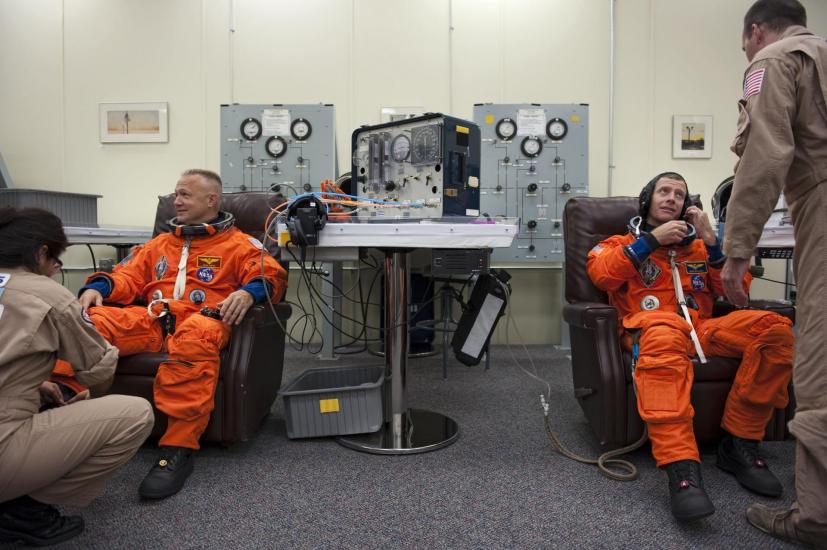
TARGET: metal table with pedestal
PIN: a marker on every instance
(405, 430)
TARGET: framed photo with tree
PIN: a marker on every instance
(133, 122)
(692, 136)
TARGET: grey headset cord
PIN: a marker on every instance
(604, 462)
(606, 459)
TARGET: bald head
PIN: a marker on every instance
(197, 197)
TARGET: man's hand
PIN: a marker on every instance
(732, 277)
(90, 297)
(671, 232)
(235, 306)
(700, 220)
(50, 393)
(82, 396)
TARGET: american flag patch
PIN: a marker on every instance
(752, 83)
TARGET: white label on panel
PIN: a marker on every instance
(275, 122)
(531, 122)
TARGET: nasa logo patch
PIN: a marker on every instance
(698, 282)
(205, 274)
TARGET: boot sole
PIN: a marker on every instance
(695, 517)
(17, 536)
(725, 465)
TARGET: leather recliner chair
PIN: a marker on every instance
(602, 369)
(251, 365)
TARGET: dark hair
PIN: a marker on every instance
(208, 175)
(645, 197)
(23, 231)
(776, 15)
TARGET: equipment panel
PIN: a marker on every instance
(422, 167)
(283, 148)
(534, 158)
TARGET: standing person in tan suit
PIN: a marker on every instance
(782, 144)
(66, 454)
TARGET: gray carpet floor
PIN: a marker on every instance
(499, 486)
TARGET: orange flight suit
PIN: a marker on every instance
(218, 264)
(645, 298)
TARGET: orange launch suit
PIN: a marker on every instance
(645, 298)
(218, 264)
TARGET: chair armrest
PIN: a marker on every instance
(590, 314)
(782, 308)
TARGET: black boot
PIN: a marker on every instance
(686, 491)
(27, 520)
(169, 473)
(740, 457)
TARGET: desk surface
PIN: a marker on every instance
(107, 235)
(424, 234)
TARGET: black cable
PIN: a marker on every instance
(774, 281)
(92, 252)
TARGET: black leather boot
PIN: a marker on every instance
(167, 476)
(29, 521)
(740, 457)
(686, 491)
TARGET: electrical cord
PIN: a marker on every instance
(607, 463)
(92, 253)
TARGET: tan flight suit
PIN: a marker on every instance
(782, 143)
(63, 455)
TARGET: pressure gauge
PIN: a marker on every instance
(400, 148)
(275, 146)
(301, 129)
(557, 128)
(531, 146)
(250, 129)
(425, 145)
(506, 128)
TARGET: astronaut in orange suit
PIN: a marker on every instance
(205, 261)
(636, 270)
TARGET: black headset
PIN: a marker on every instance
(306, 216)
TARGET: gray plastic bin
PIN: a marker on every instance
(334, 401)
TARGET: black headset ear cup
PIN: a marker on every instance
(294, 225)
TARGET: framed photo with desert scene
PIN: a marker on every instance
(692, 136)
(142, 122)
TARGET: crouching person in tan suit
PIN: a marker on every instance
(67, 453)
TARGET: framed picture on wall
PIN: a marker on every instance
(133, 122)
(692, 136)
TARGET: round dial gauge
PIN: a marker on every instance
(301, 129)
(250, 129)
(275, 146)
(506, 128)
(531, 146)
(557, 128)
(425, 143)
(400, 148)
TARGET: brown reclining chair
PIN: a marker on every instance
(251, 364)
(601, 369)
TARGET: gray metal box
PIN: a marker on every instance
(334, 401)
(534, 158)
(74, 209)
(283, 148)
